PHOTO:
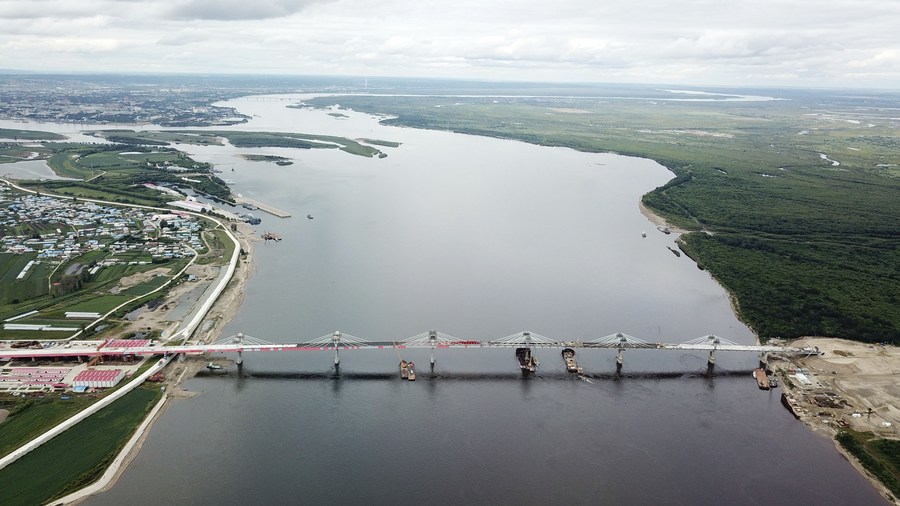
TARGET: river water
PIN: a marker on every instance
(479, 238)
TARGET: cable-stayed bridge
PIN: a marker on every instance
(338, 341)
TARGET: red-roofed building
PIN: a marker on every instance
(127, 343)
(98, 378)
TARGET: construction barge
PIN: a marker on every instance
(407, 370)
(568, 355)
(527, 362)
(762, 380)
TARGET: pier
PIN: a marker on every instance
(274, 211)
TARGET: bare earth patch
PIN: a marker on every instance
(138, 278)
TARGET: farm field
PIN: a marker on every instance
(99, 437)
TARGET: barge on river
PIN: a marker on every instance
(527, 362)
(762, 381)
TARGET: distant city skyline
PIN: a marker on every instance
(832, 43)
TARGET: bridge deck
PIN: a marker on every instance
(92, 348)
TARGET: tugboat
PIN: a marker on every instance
(527, 362)
(568, 355)
(411, 368)
(404, 369)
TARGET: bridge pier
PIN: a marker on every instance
(620, 359)
(432, 338)
(711, 361)
(764, 361)
(336, 340)
(239, 339)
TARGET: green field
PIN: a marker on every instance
(297, 141)
(159, 138)
(92, 297)
(881, 457)
(219, 247)
(29, 135)
(13, 291)
(78, 456)
(117, 172)
(34, 416)
(15, 152)
(806, 247)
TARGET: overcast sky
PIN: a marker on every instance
(852, 43)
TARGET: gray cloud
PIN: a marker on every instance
(233, 10)
(828, 42)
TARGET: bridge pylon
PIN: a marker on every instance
(239, 339)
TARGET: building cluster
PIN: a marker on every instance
(71, 228)
(74, 100)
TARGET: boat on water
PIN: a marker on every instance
(527, 362)
(664, 230)
(309, 216)
(568, 355)
(762, 381)
(643, 234)
(404, 369)
(791, 405)
(212, 366)
(411, 371)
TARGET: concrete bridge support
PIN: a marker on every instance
(240, 360)
(336, 340)
(432, 338)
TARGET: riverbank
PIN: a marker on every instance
(181, 370)
(659, 221)
(840, 387)
(221, 312)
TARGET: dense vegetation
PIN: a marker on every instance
(798, 196)
(881, 457)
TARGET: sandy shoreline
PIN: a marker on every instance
(222, 312)
(659, 221)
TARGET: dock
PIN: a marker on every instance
(274, 211)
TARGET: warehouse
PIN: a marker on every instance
(99, 378)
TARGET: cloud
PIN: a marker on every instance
(707, 41)
(234, 10)
(183, 38)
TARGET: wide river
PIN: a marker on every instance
(478, 238)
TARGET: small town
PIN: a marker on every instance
(73, 228)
